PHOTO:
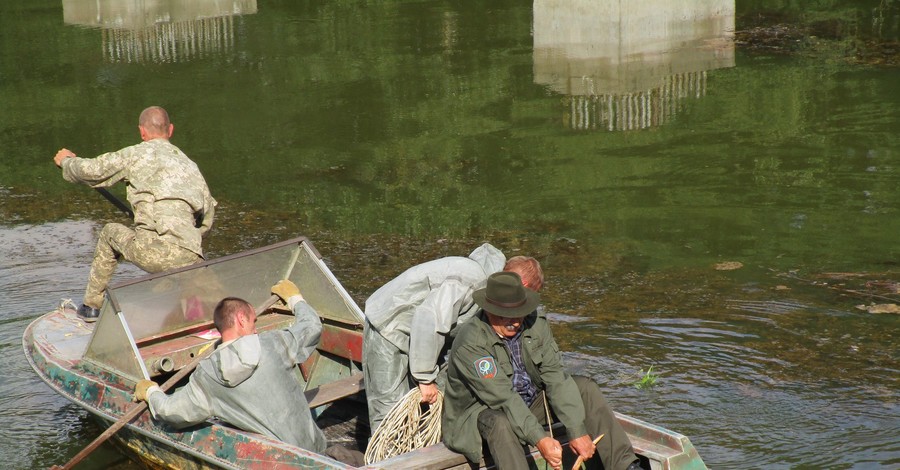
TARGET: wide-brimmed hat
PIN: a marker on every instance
(505, 296)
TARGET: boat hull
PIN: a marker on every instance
(53, 344)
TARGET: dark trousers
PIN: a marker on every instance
(614, 450)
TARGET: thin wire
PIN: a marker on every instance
(549, 423)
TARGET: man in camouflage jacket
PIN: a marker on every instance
(173, 208)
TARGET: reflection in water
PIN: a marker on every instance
(159, 30)
(629, 65)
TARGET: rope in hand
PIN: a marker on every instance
(406, 428)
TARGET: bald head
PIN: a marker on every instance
(154, 123)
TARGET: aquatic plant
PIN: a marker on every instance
(648, 379)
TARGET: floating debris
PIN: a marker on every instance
(728, 266)
(880, 308)
(766, 306)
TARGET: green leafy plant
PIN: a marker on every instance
(648, 379)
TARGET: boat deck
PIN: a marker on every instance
(64, 334)
(346, 423)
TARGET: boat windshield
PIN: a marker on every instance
(177, 306)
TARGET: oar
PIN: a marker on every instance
(116, 202)
(139, 408)
(580, 460)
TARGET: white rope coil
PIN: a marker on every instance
(406, 427)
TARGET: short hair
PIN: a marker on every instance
(528, 269)
(155, 120)
(228, 309)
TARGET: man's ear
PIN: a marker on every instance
(242, 320)
(171, 131)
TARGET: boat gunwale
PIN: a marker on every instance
(210, 262)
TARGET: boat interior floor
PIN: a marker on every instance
(346, 423)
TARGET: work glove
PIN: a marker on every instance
(142, 389)
(285, 289)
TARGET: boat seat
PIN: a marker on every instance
(335, 390)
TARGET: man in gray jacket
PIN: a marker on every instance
(173, 208)
(249, 381)
(410, 323)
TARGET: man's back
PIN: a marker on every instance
(250, 383)
(165, 188)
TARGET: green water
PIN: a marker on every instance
(629, 164)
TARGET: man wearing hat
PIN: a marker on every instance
(500, 364)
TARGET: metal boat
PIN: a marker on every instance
(153, 326)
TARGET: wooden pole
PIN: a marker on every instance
(580, 460)
(139, 408)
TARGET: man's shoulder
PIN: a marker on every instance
(164, 148)
(474, 331)
(537, 325)
(449, 266)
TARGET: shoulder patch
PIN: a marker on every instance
(485, 367)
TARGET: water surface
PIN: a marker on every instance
(631, 149)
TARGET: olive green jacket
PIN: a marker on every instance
(480, 377)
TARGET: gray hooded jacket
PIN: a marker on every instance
(250, 383)
(420, 308)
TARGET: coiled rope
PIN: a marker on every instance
(406, 427)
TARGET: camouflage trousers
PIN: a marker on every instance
(142, 248)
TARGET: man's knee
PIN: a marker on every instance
(590, 391)
(503, 446)
(586, 384)
(116, 232)
(493, 423)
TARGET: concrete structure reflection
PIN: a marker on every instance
(159, 30)
(627, 65)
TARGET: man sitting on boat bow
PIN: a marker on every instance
(505, 367)
(249, 380)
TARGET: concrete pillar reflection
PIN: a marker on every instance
(159, 30)
(625, 65)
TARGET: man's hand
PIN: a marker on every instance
(429, 393)
(285, 289)
(551, 451)
(62, 155)
(583, 447)
(142, 389)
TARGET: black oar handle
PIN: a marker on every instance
(116, 202)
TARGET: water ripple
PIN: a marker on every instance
(764, 383)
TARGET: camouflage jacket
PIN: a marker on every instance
(164, 187)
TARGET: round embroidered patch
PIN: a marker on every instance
(486, 367)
